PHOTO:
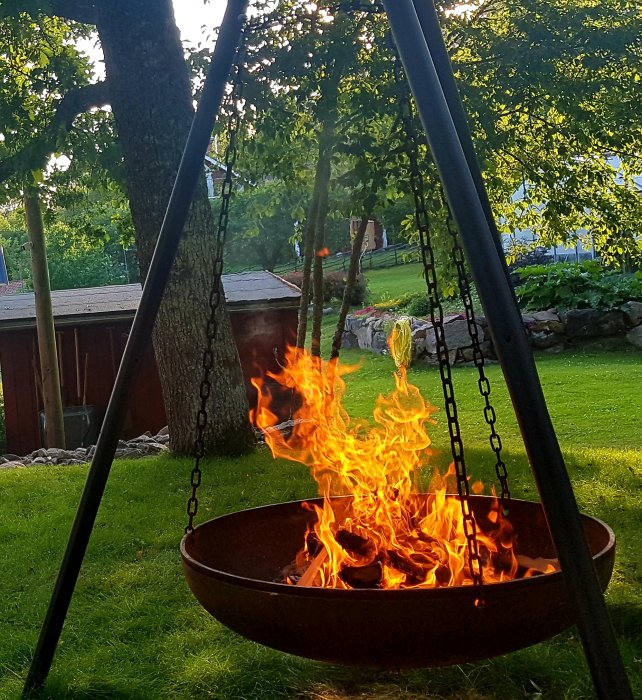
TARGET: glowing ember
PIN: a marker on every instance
(387, 534)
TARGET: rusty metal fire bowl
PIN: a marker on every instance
(231, 564)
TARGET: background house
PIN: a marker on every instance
(92, 326)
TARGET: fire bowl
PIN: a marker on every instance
(231, 564)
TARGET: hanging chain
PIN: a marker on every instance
(437, 318)
(478, 356)
(216, 293)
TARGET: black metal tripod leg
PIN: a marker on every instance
(164, 253)
(514, 353)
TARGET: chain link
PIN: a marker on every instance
(478, 356)
(216, 293)
(437, 318)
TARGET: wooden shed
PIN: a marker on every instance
(92, 326)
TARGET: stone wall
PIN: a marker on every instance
(548, 330)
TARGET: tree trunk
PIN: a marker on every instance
(308, 256)
(326, 144)
(355, 256)
(152, 104)
(50, 377)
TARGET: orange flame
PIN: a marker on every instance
(386, 534)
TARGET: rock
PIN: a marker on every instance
(545, 339)
(143, 445)
(13, 464)
(633, 312)
(364, 337)
(543, 316)
(419, 331)
(589, 323)
(547, 321)
(487, 349)
(349, 340)
(378, 342)
(163, 431)
(634, 336)
(328, 312)
(155, 448)
(456, 333)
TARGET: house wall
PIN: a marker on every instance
(89, 357)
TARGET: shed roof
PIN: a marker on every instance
(244, 291)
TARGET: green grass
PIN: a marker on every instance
(134, 630)
(392, 282)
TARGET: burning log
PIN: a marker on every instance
(369, 576)
(355, 544)
(539, 565)
(415, 573)
(313, 543)
(310, 574)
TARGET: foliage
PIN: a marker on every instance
(76, 257)
(586, 285)
(527, 257)
(334, 284)
(550, 88)
(41, 67)
(262, 225)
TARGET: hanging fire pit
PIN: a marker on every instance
(381, 575)
(231, 564)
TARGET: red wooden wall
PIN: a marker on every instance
(99, 348)
(258, 334)
(88, 357)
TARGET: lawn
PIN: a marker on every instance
(134, 631)
(392, 282)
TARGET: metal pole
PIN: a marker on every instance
(429, 22)
(514, 353)
(157, 277)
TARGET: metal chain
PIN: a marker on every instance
(437, 318)
(478, 356)
(216, 292)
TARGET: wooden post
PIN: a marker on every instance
(52, 400)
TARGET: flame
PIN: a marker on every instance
(385, 534)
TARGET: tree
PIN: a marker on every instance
(317, 96)
(147, 86)
(552, 90)
(263, 225)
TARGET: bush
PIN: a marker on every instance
(418, 305)
(586, 285)
(334, 284)
(529, 258)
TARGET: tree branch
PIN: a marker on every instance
(36, 152)
(83, 11)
